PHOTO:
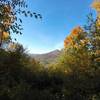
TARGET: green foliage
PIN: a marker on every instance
(15, 74)
(75, 76)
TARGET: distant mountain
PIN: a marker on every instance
(47, 57)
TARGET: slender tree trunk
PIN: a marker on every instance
(1, 34)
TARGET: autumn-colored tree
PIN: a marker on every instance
(71, 40)
(9, 20)
(81, 60)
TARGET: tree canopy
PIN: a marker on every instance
(9, 20)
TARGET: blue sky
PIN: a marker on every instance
(59, 18)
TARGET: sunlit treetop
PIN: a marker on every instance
(76, 31)
(96, 5)
(70, 40)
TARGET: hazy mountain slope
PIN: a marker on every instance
(47, 57)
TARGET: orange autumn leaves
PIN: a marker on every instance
(70, 40)
(76, 31)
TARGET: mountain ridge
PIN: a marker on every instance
(46, 58)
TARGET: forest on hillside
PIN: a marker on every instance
(74, 76)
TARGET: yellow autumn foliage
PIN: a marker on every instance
(96, 5)
(5, 35)
(98, 23)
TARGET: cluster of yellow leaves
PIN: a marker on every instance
(5, 35)
(98, 23)
(69, 41)
(7, 21)
(96, 5)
